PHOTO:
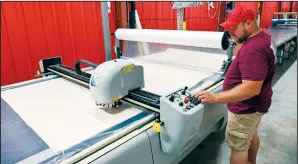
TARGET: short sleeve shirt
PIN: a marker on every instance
(255, 61)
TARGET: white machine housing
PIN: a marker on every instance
(112, 80)
(183, 119)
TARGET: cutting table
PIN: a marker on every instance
(285, 40)
(54, 119)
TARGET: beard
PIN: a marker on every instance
(243, 38)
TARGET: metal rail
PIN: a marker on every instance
(138, 97)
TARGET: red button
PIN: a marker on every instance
(186, 99)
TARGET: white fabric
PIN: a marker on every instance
(63, 113)
(208, 39)
(203, 60)
(161, 79)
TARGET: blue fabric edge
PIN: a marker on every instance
(29, 133)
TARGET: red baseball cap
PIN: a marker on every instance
(237, 15)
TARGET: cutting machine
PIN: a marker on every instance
(169, 122)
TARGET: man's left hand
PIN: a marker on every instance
(206, 97)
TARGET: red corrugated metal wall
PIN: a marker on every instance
(157, 15)
(285, 7)
(294, 7)
(252, 5)
(160, 15)
(268, 9)
(201, 19)
(31, 31)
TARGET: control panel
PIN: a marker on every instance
(181, 116)
(183, 99)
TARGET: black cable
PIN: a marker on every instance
(150, 145)
(78, 65)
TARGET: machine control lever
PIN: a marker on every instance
(184, 90)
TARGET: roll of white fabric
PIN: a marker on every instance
(207, 39)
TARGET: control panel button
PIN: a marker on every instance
(194, 100)
(186, 99)
(172, 98)
(181, 104)
(197, 101)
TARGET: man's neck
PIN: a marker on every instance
(256, 31)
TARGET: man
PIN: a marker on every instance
(247, 86)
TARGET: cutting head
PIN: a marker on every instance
(112, 80)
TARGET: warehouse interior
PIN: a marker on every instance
(101, 82)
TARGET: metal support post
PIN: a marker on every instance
(180, 10)
(180, 16)
(106, 30)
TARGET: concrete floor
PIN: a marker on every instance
(277, 131)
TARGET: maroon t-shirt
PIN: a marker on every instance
(255, 61)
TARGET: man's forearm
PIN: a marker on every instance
(237, 94)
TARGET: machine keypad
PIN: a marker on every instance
(194, 100)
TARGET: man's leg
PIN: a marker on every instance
(239, 157)
(253, 149)
(239, 136)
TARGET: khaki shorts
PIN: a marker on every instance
(240, 130)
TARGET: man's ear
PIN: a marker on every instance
(249, 24)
